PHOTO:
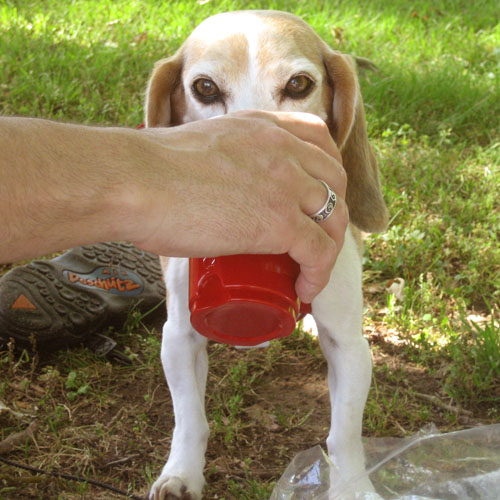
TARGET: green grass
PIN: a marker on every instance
(433, 112)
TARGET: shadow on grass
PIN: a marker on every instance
(105, 82)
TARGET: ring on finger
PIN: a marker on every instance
(327, 209)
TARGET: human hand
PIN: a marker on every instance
(244, 183)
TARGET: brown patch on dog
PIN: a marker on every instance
(229, 53)
(165, 77)
(177, 105)
(288, 35)
(347, 125)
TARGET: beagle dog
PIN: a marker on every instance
(273, 61)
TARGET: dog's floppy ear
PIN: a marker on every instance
(161, 103)
(348, 128)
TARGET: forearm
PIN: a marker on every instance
(62, 186)
(241, 183)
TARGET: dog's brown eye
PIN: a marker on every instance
(298, 86)
(206, 90)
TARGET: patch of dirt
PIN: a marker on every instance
(118, 430)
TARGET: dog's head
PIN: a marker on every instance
(271, 61)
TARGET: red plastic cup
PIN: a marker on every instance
(244, 300)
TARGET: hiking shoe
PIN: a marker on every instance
(64, 301)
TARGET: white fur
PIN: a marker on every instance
(337, 310)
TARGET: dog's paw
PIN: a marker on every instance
(174, 488)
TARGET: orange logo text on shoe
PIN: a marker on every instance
(115, 281)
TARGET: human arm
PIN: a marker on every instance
(236, 184)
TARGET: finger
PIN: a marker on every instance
(319, 155)
(336, 223)
(320, 165)
(316, 253)
(310, 128)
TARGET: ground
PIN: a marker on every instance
(112, 423)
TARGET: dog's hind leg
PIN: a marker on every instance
(338, 314)
(185, 362)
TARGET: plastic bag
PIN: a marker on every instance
(462, 465)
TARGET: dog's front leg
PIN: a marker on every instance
(338, 314)
(185, 362)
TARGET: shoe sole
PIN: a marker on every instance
(63, 301)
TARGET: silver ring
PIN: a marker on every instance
(327, 209)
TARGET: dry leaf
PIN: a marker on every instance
(396, 287)
(5, 409)
(262, 418)
(140, 38)
(338, 33)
